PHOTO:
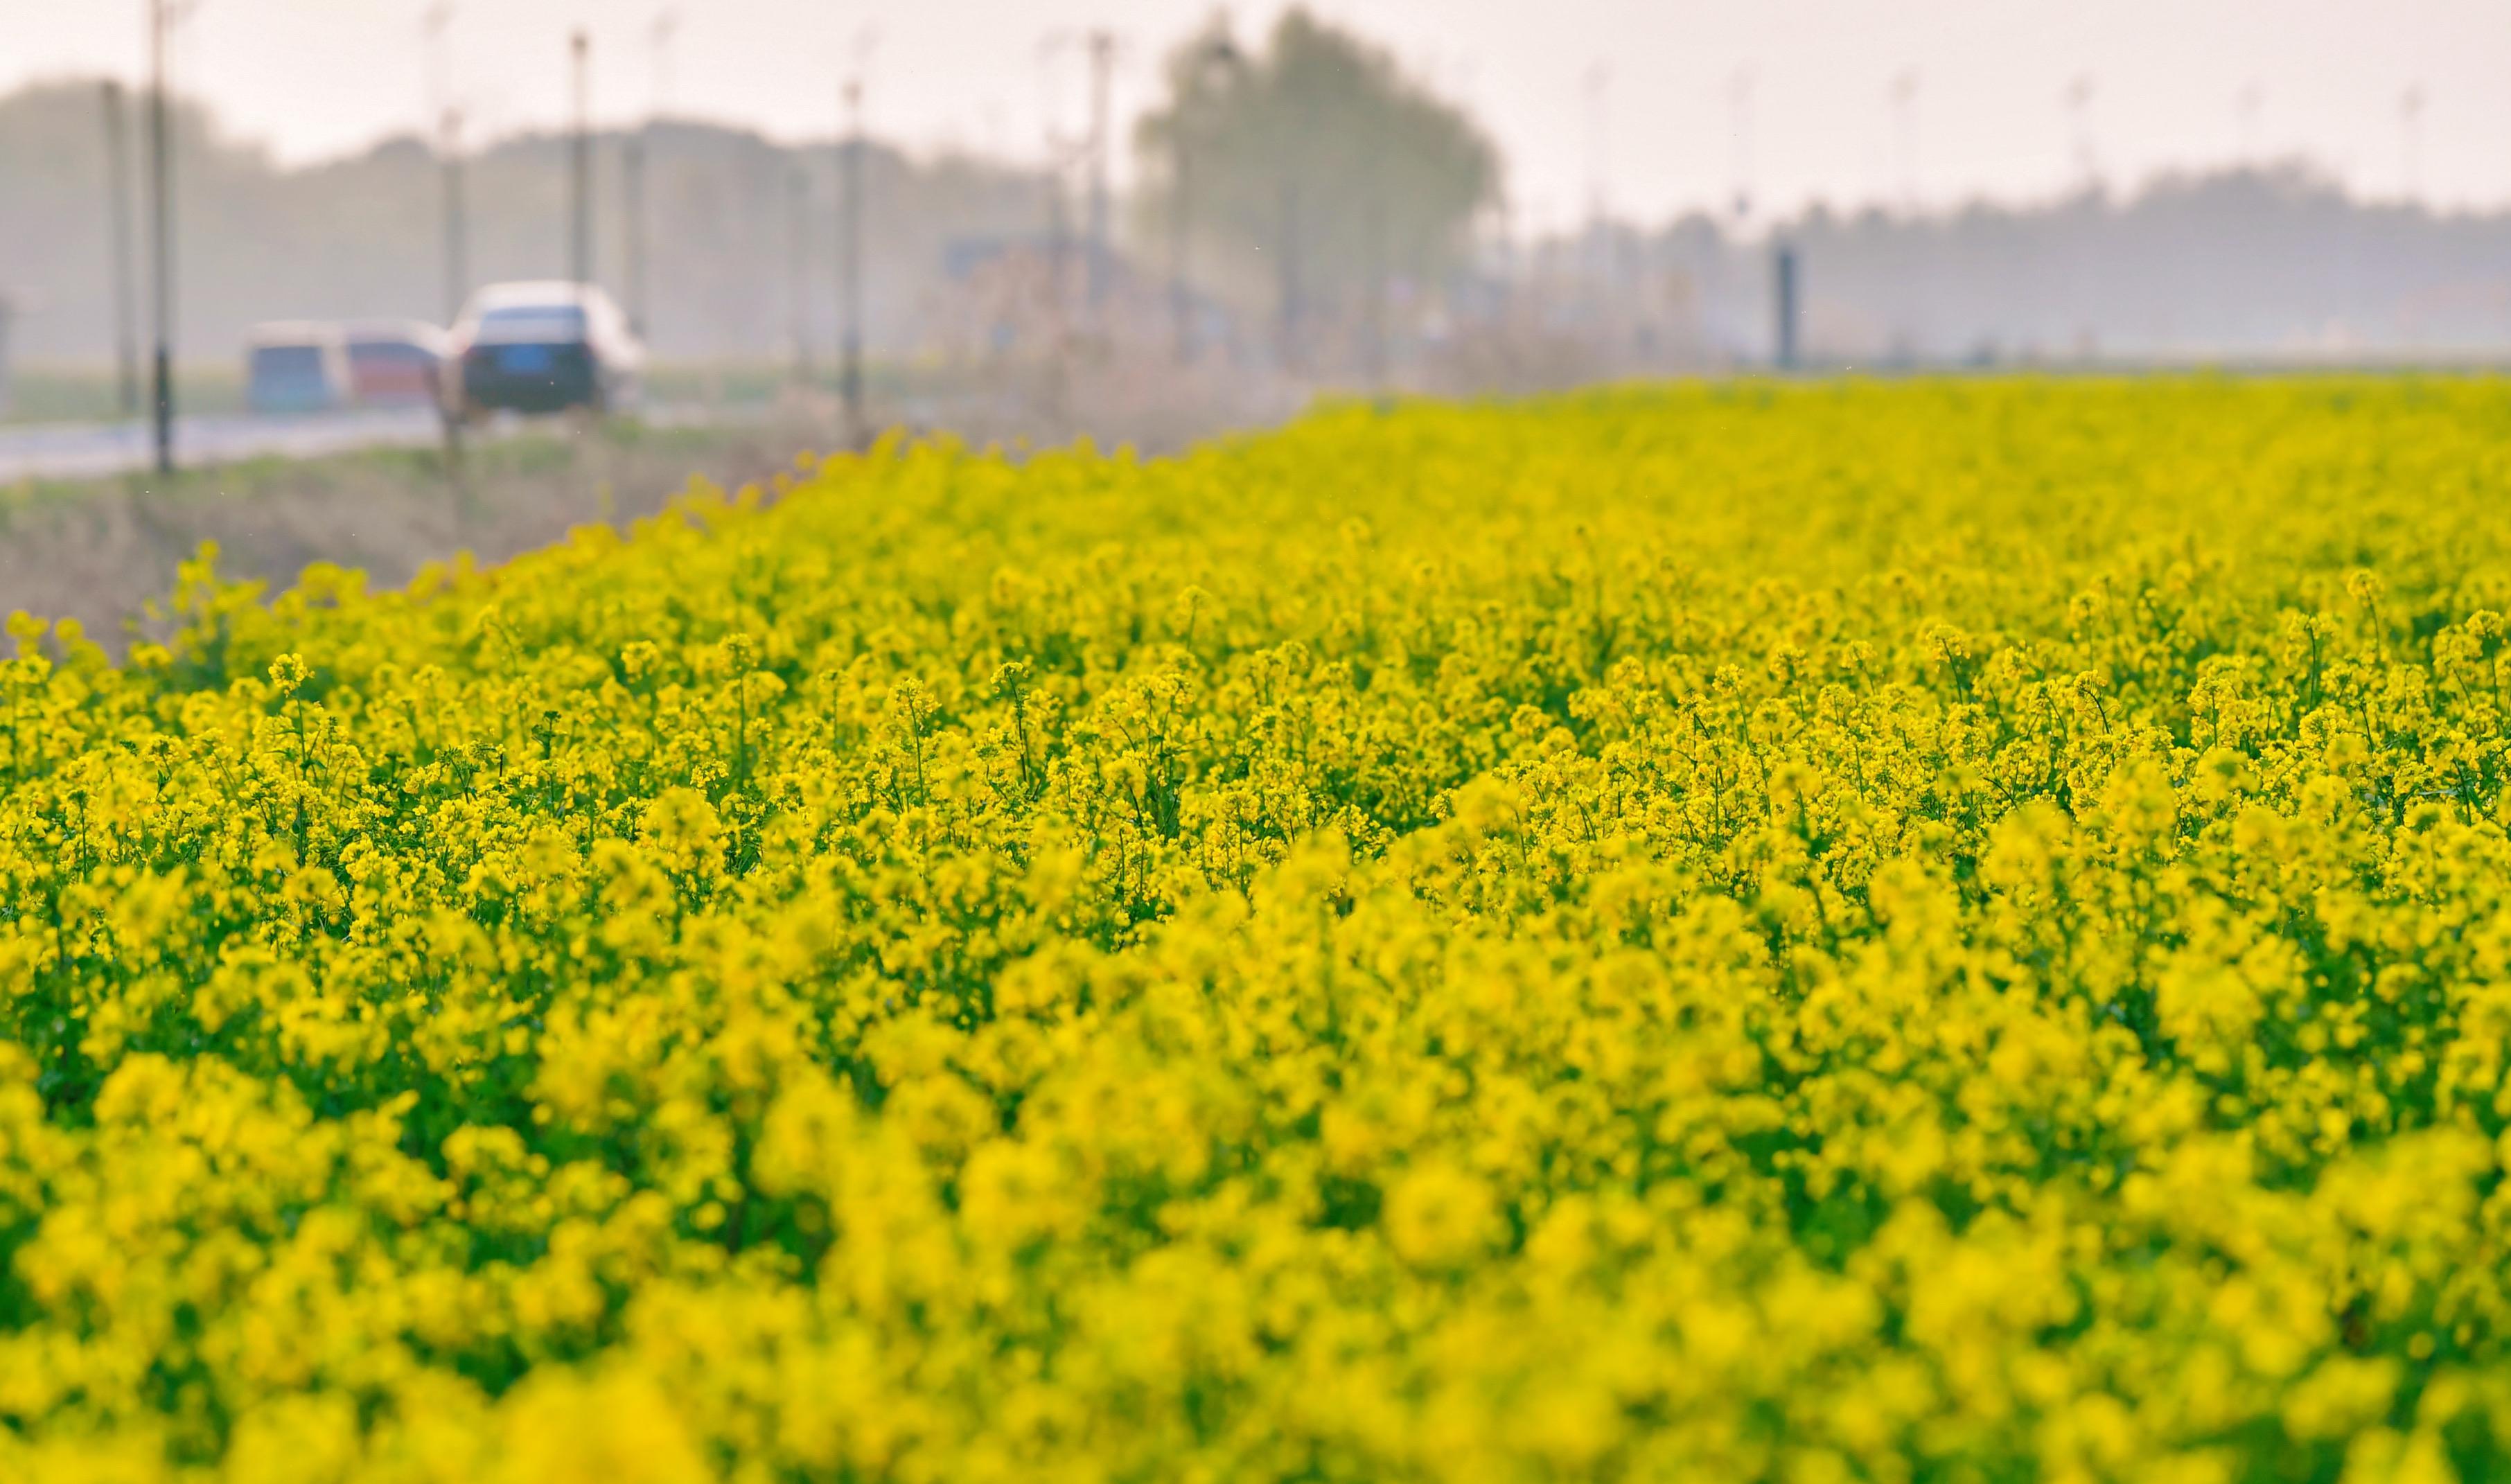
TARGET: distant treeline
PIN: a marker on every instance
(363, 235)
(2259, 263)
(2274, 264)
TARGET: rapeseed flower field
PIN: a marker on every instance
(1938, 931)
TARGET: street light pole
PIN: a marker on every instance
(2079, 124)
(639, 150)
(1180, 216)
(1905, 125)
(1103, 61)
(1288, 265)
(161, 238)
(2411, 111)
(631, 204)
(457, 265)
(1739, 133)
(1059, 237)
(1786, 290)
(580, 160)
(126, 348)
(797, 220)
(1373, 301)
(850, 263)
(447, 120)
(666, 26)
(1215, 64)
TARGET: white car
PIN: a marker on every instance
(297, 366)
(544, 347)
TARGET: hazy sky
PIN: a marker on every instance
(1641, 95)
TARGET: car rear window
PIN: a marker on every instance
(287, 362)
(534, 321)
(388, 353)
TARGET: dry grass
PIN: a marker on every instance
(100, 550)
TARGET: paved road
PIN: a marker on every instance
(87, 450)
(90, 450)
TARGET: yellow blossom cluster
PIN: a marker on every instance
(1947, 930)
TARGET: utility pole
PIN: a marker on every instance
(1103, 61)
(161, 194)
(579, 257)
(457, 255)
(117, 170)
(850, 263)
(797, 211)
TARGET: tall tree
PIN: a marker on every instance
(1315, 166)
